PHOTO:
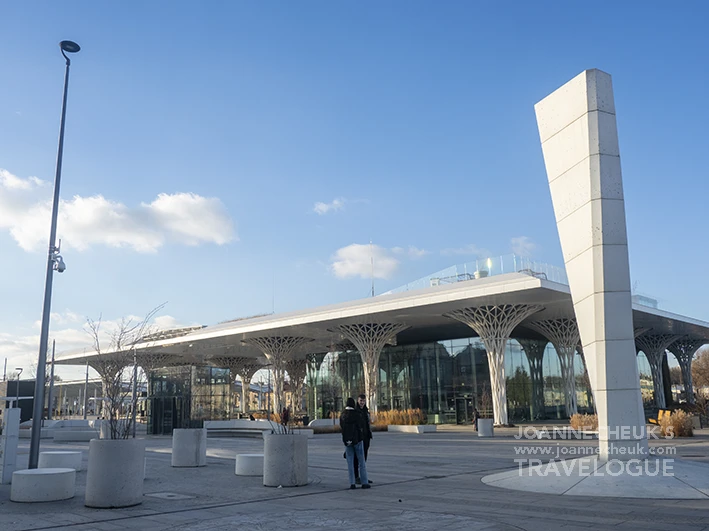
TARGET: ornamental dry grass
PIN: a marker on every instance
(678, 424)
(584, 422)
(405, 417)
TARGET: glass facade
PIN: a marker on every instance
(446, 379)
(184, 397)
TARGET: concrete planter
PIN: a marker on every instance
(420, 428)
(115, 473)
(486, 428)
(285, 460)
(189, 447)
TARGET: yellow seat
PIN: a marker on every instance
(660, 415)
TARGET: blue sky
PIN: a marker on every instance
(224, 157)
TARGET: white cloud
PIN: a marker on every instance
(467, 250)
(356, 261)
(412, 252)
(523, 246)
(185, 218)
(324, 208)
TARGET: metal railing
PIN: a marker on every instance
(487, 267)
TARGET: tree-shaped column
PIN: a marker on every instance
(494, 325)
(297, 369)
(564, 335)
(278, 350)
(534, 350)
(370, 338)
(684, 350)
(242, 366)
(654, 346)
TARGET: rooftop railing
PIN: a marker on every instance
(487, 267)
(498, 265)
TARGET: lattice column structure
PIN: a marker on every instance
(296, 369)
(314, 361)
(654, 347)
(684, 350)
(640, 330)
(564, 335)
(534, 350)
(494, 325)
(242, 366)
(151, 361)
(370, 338)
(278, 350)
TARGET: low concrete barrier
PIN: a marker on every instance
(75, 435)
(189, 447)
(43, 484)
(249, 465)
(324, 422)
(420, 428)
(305, 431)
(45, 433)
(58, 459)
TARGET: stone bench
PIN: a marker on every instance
(43, 485)
(419, 428)
(323, 422)
(75, 435)
(59, 459)
(45, 433)
(249, 465)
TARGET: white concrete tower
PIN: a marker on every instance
(579, 140)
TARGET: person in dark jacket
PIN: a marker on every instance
(366, 434)
(352, 427)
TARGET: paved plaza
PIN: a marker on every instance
(429, 481)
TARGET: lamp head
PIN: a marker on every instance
(69, 46)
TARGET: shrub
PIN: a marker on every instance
(407, 417)
(584, 422)
(678, 424)
(275, 417)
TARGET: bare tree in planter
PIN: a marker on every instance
(114, 364)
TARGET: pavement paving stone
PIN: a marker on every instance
(437, 477)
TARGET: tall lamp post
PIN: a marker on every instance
(54, 261)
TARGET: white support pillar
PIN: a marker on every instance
(564, 335)
(534, 350)
(684, 350)
(9, 441)
(370, 338)
(278, 350)
(579, 138)
(654, 347)
(296, 369)
(494, 325)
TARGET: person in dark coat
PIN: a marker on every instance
(367, 434)
(352, 427)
